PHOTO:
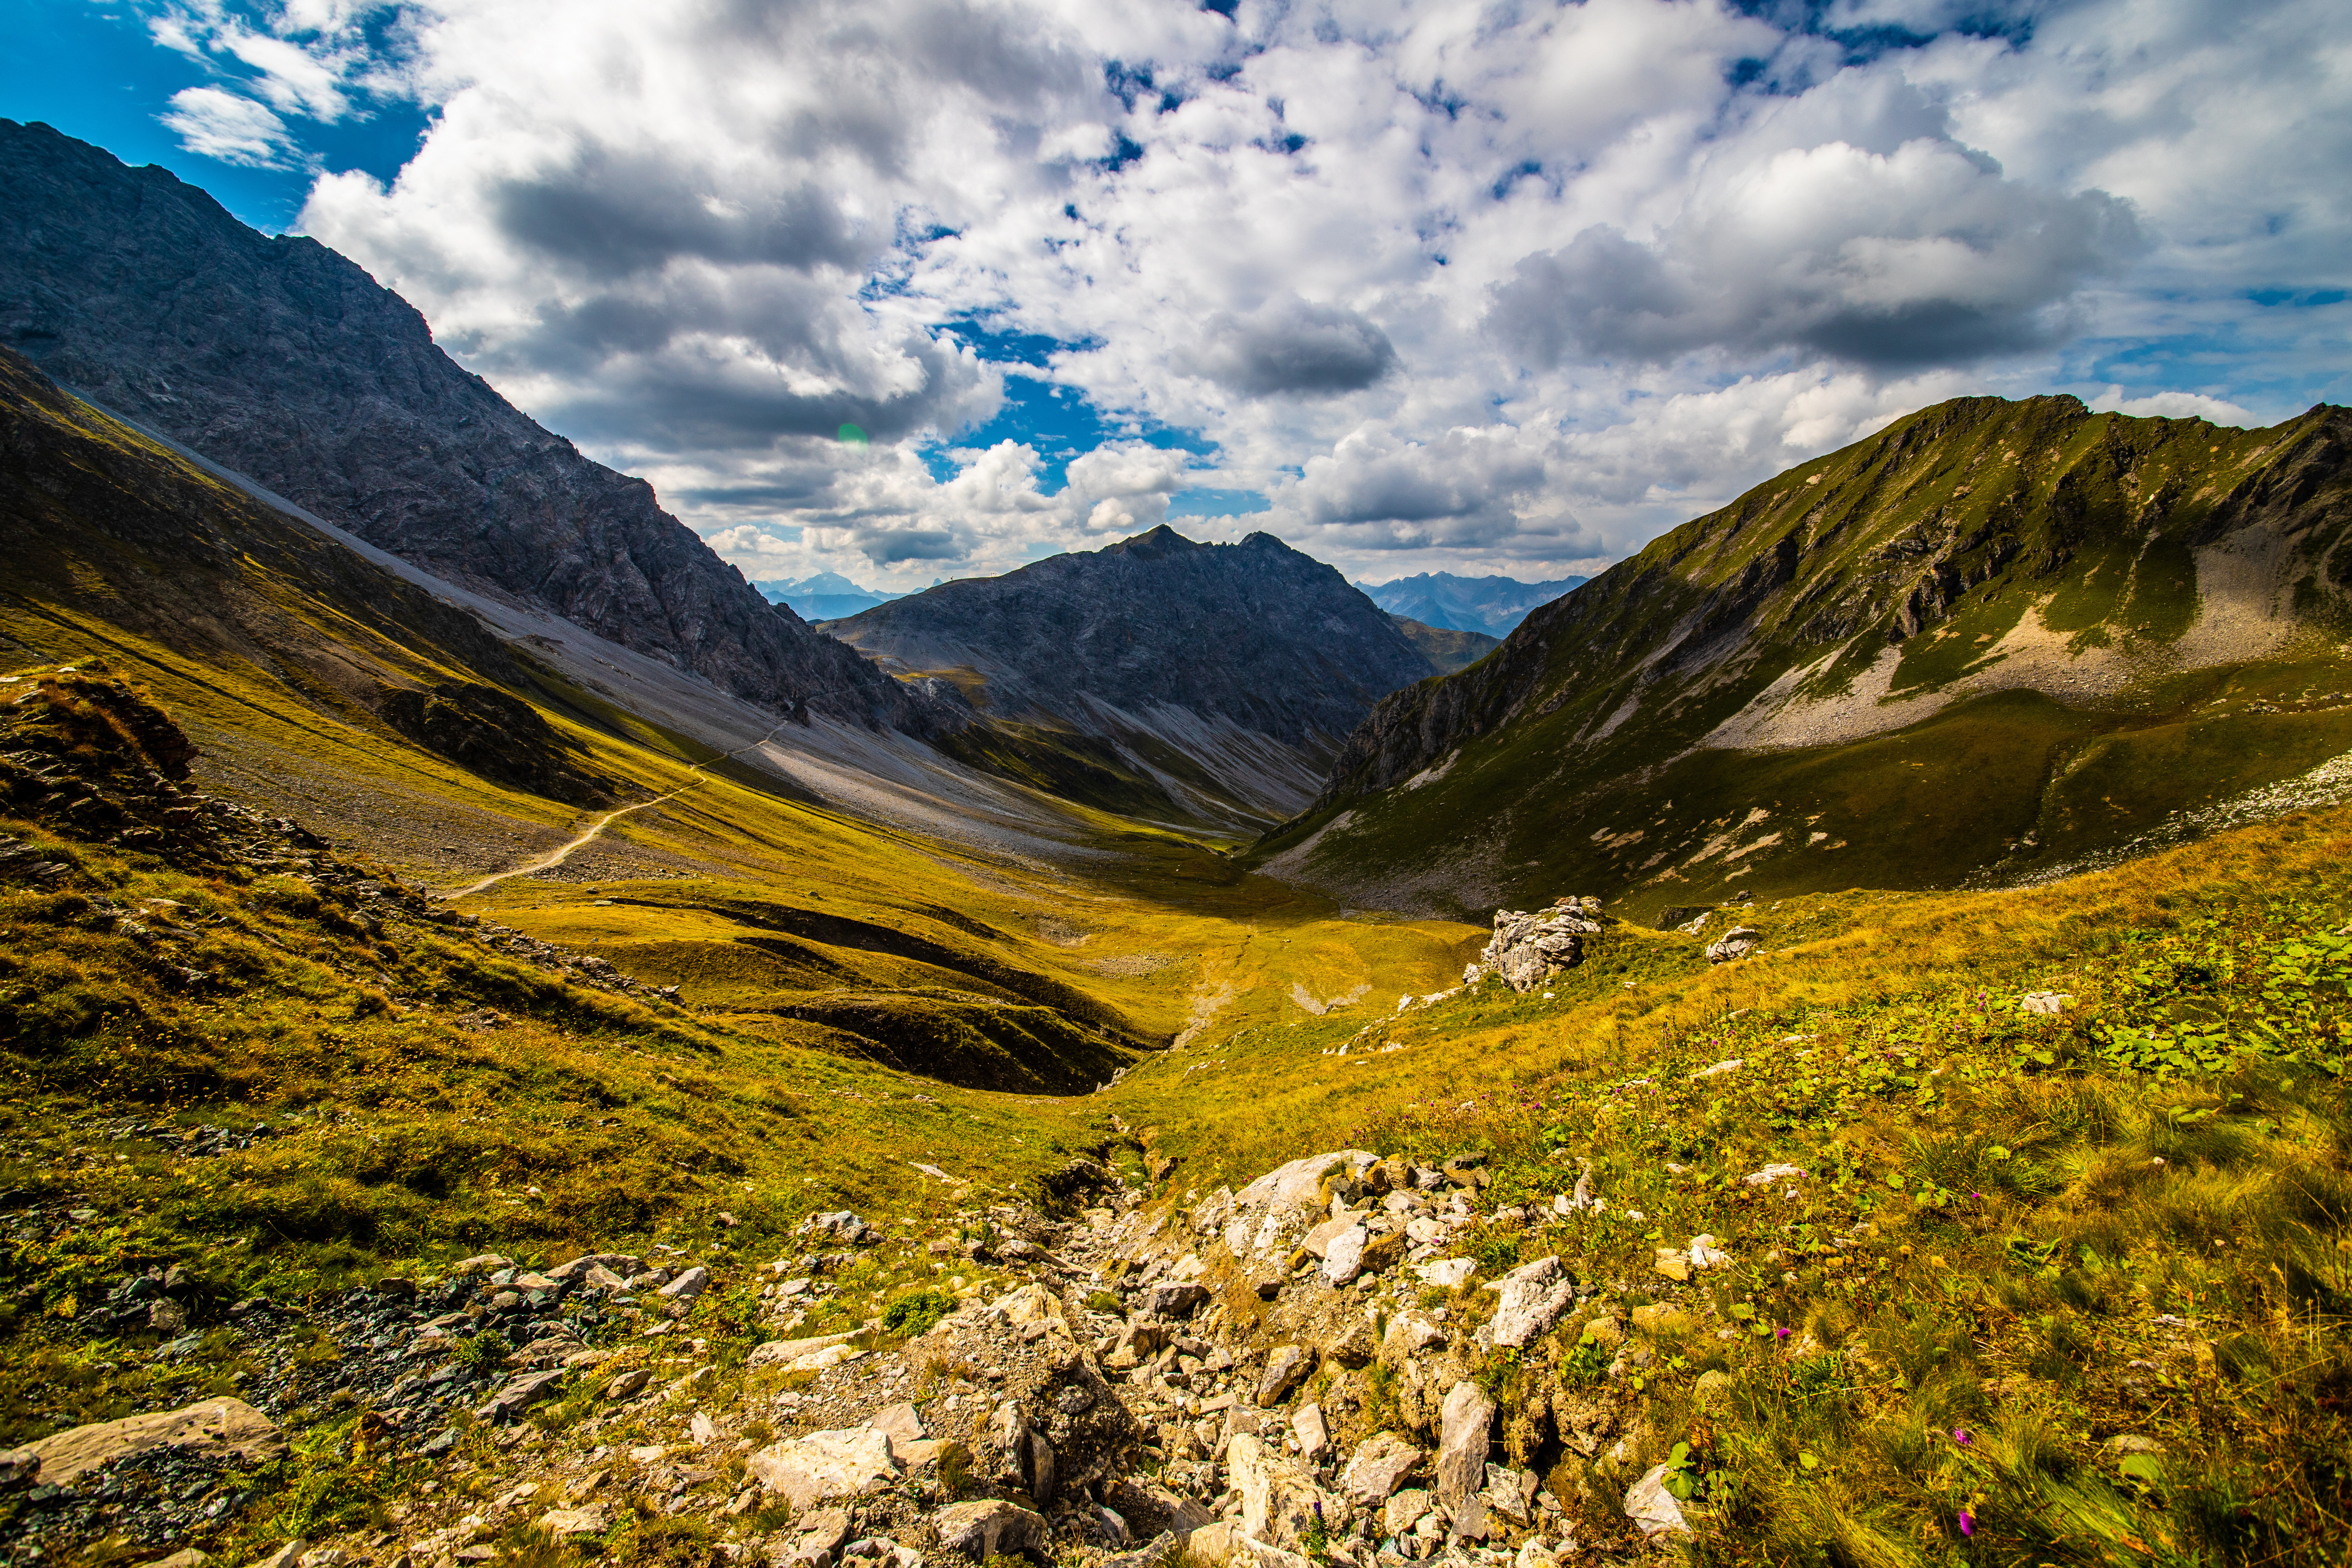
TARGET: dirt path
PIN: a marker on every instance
(559, 855)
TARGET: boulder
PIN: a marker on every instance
(784, 1353)
(1178, 1300)
(1405, 1510)
(1408, 1334)
(1652, 1506)
(1343, 1257)
(1378, 1467)
(1313, 1433)
(211, 1428)
(1446, 1273)
(1224, 1545)
(815, 1537)
(1280, 1503)
(1151, 1510)
(1463, 1438)
(807, 1470)
(991, 1526)
(565, 1522)
(1286, 1366)
(1530, 1299)
(1355, 1346)
(519, 1394)
(623, 1264)
(1737, 942)
(686, 1285)
(1529, 949)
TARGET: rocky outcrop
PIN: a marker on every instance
(1529, 949)
(283, 361)
(1230, 673)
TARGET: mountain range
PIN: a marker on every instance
(1225, 675)
(520, 1051)
(824, 596)
(1491, 606)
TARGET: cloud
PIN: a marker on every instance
(2174, 405)
(1487, 287)
(213, 124)
(1923, 256)
(1289, 345)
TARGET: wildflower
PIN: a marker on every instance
(1968, 1522)
(1961, 1435)
(1780, 1333)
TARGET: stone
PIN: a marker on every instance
(784, 1353)
(991, 1526)
(686, 1285)
(1153, 1509)
(2045, 1004)
(1771, 1173)
(1378, 1467)
(185, 1557)
(816, 1536)
(808, 1470)
(1286, 1366)
(519, 1394)
(627, 1384)
(619, 1263)
(1651, 1506)
(1534, 1553)
(1531, 1299)
(900, 1424)
(1280, 1503)
(1672, 1263)
(1529, 949)
(1706, 1254)
(1460, 1469)
(210, 1428)
(1736, 943)
(1355, 1346)
(1177, 1300)
(1712, 1391)
(1606, 1332)
(1511, 1493)
(565, 1522)
(1405, 1510)
(286, 1556)
(1224, 1545)
(1343, 1259)
(1408, 1334)
(1446, 1273)
(1314, 1435)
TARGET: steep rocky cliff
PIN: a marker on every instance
(282, 359)
(1226, 673)
(1992, 639)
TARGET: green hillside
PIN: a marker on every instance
(1996, 639)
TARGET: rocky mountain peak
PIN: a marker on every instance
(278, 358)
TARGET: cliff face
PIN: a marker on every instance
(1993, 637)
(283, 359)
(1242, 666)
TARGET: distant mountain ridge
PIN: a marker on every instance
(1990, 641)
(286, 362)
(1225, 675)
(1492, 605)
(824, 596)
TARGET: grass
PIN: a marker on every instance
(2129, 1219)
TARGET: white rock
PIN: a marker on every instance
(1531, 1299)
(807, 1470)
(1468, 1417)
(1314, 1435)
(1771, 1173)
(1651, 1506)
(1706, 1254)
(1448, 1273)
(1381, 1463)
(1405, 1510)
(1344, 1260)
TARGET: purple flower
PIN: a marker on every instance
(1968, 1523)
(1780, 1333)
(1960, 1436)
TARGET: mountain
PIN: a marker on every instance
(1222, 676)
(1446, 649)
(1992, 641)
(284, 361)
(1492, 605)
(827, 597)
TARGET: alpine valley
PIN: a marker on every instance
(1823, 1043)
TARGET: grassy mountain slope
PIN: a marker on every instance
(1993, 639)
(1446, 648)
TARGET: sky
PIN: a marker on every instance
(915, 289)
